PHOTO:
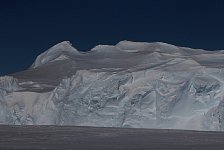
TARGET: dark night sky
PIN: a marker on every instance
(29, 27)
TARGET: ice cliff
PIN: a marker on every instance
(131, 84)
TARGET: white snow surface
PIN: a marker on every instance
(131, 84)
(57, 52)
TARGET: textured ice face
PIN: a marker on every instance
(140, 85)
(7, 85)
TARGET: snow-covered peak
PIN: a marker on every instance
(63, 48)
(162, 44)
(102, 47)
(123, 49)
(64, 45)
(130, 46)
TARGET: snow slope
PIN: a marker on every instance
(131, 84)
(61, 51)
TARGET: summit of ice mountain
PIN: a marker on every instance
(123, 49)
(131, 46)
(60, 51)
(64, 50)
(161, 47)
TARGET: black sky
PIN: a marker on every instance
(28, 27)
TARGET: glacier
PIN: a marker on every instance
(130, 84)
